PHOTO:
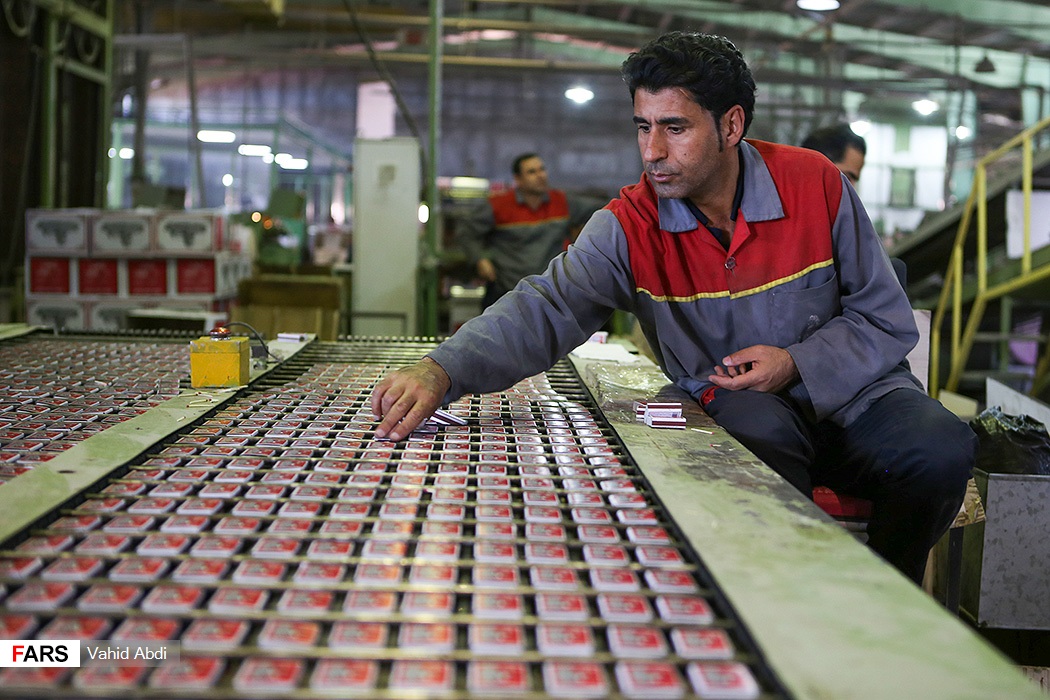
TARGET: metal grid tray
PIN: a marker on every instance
(289, 552)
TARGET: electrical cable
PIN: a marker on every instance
(258, 337)
(28, 14)
(385, 75)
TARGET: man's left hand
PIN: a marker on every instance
(759, 368)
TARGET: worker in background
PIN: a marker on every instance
(847, 150)
(762, 287)
(842, 146)
(516, 233)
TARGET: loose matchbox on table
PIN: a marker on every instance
(660, 414)
(445, 418)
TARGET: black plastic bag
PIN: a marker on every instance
(1011, 444)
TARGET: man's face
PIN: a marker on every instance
(851, 164)
(680, 145)
(533, 177)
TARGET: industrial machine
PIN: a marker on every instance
(541, 542)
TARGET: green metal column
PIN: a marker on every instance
(429, 292)
(115, 167)
(105, 107)
(198, 197)
(49, 115)
(1006, 313)
(274, 150)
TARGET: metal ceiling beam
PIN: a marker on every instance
(237, 58)
(920, 42)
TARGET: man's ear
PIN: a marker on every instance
(733, 125)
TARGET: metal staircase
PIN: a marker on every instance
(980, 278)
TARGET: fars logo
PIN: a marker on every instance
(40, 653)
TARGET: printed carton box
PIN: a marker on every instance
(58, 231)
(148, 277)
(47, 275)
(100, 276)
(60, 314)
(122, 233)
(189, 232)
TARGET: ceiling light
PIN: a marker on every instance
(215, 136)
(985, 65)
(818, 5)
(860, 127)
(126, 153)
(579, 95)
(462, 182)
(963, 132)
(294, 164)
(252, 149)
(925, 107)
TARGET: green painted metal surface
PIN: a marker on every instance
(833, 620)
(29, 496)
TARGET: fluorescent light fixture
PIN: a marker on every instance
(963, 132)
(860, 127)
(216, 136)
(462, 182)
(423, 213)
(252, 149)
(294, 164)
(268, 158)
(126, 153)
(579, 94)
(818, 5)
(283, 158)
(925, 107)
(112, 153)
(227, 180)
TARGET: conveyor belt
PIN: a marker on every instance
(288, 552)
(57, 391)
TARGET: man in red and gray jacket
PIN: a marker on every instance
(516, 233)
(764, 291)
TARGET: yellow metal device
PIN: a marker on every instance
(216, 362)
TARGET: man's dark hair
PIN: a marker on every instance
(709, 67)
(833, 141)
(516, 168)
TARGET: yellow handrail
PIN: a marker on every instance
(951, 296)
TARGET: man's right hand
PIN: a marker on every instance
(406, 398)
(486, 270)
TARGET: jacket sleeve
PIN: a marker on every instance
(544, 317)
(472, 231)
(874, 331)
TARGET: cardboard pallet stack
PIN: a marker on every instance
(87, 268)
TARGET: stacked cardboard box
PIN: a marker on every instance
(87, 268)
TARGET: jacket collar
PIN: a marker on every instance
(520, 198)
(760, 203)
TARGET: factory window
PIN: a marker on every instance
(902, 187)
(902, 138)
